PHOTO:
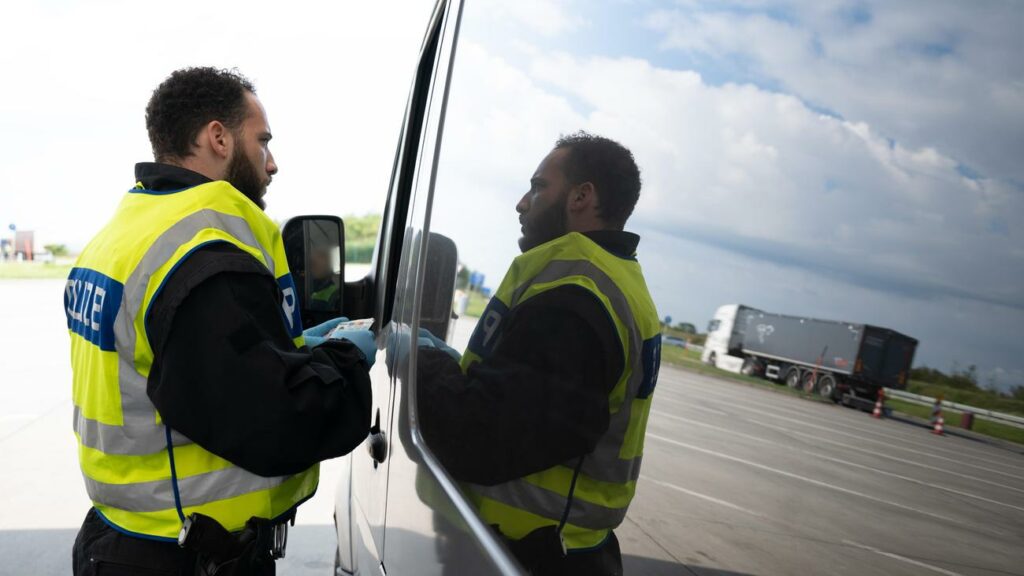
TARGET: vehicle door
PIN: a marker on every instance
(430, 527)
(394, 530)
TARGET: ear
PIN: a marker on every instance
(218, 138)
(582, 198)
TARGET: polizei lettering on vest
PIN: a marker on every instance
(91, 301)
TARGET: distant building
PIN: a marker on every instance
(24, 245)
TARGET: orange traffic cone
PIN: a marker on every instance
(938, 425)
(879, 404)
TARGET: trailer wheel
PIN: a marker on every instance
(793, 377)
(827, 387)
(808, 383)
(711, 359)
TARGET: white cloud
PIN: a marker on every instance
(544, 17)
(941, 74)
(749, 195)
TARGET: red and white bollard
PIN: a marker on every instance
(879, 404)
(937, 420)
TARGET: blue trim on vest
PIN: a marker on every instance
(651, 364)
(108, 522)
(145, 315)
(174, 474)
(157, 192)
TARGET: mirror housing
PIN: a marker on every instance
(315, 246)
(439, 285)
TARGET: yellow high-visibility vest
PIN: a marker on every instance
(608, 475)
(142, 476)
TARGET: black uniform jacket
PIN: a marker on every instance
(227, 375)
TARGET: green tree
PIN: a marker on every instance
(462, 280)
(361, 237)
(686, 327)
(56, 249)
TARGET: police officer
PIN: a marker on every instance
(544, 423)
(196, 403)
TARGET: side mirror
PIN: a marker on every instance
(439, 285)
(315, 246)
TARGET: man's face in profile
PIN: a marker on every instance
(542, 211)
(252, 165)
(319, 264)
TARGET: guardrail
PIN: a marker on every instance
(1008, 419)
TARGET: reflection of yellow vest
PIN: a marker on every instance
(608, 475)
(143, 477)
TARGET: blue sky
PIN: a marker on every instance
(848, 160)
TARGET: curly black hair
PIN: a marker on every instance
(189, 99)
(610, 167)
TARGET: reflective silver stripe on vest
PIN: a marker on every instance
(127, 440)
(140, 433)
(193, 491)
(536, 500)
(604, 464)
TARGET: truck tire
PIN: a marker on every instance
(808, 382)
(793, 378)
(711, 359)
(749, 367)
(827, 387)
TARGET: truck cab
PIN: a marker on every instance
(725, 338)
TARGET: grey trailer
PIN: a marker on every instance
(842, 360)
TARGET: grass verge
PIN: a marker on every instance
(977, 398)
(952, 419)
(477, 303)
(31, 270)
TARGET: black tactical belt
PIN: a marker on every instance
(221, 553)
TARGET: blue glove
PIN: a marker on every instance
(363, 339)
(315, 336)
(429, 340)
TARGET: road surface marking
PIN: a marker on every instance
(847, 446)
(702, 496)
(712, 410)
(802, 478)
(16, 417)
(901, 558)
(732, 399)
(779, 402)
(839, 461)
(836, 431)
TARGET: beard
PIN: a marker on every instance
(243, 175)
(552, 222)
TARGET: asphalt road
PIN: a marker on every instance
(743, 480)
(736, 479)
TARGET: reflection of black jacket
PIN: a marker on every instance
(540, 399)
(226, 373)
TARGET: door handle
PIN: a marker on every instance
(377, 444)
